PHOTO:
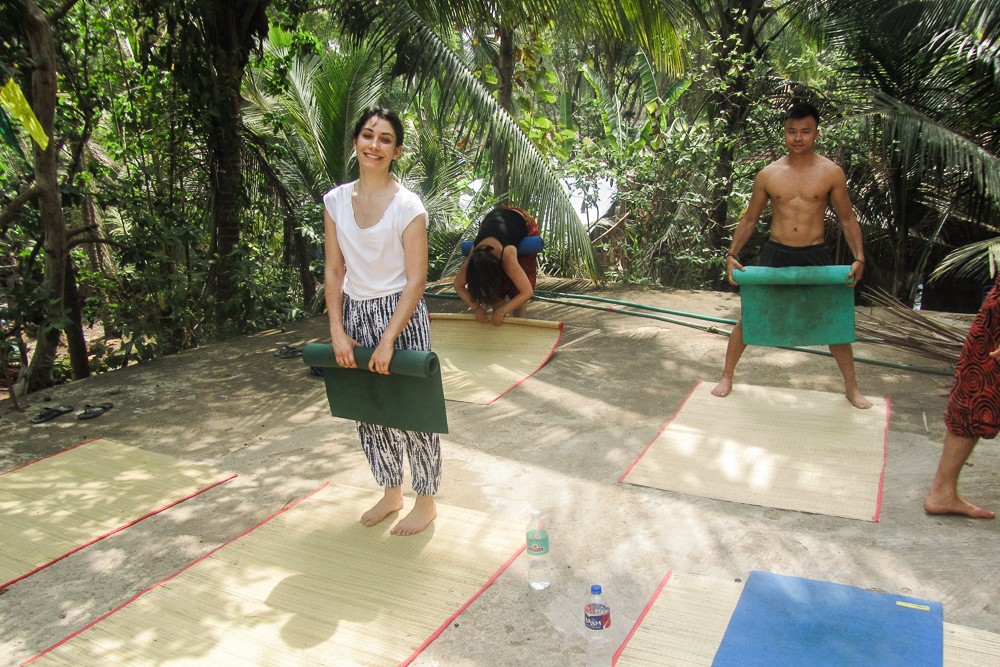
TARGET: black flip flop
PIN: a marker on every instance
(288, 352)
(91, 411)
(51, 413)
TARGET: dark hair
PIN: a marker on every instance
(508, 215)
(384, 114)
(801, 110)
(483, 276)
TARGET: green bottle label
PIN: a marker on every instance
(538, 542)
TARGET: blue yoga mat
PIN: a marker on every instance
(792, 622)
(796, 305)
(529, 245)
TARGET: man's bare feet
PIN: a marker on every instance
(954, 505)
(857, 399)
(423, 512)
(391, 502)
(724, 387)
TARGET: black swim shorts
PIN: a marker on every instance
(777, 255)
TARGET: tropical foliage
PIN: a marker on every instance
(179, 199)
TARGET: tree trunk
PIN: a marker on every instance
(732, 105)
(75, 340)
(500, 150)
(227, 176)
(44, 90)
(232, 28)
(305, 275)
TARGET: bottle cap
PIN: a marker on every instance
(536, 512)
(595, 589)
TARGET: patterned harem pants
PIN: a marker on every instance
(365, 321)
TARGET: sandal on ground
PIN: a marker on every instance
(91, 411)
(288, 352)
(51, 413)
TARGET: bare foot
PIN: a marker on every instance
(420, 517)
(723, 388)
(955, 505)
(390, 502)
(857, 399)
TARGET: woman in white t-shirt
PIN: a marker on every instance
(376, 271)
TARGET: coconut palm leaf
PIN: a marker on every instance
(409, 27)
(922, 139)
(967, 261)
(534, 183)
(648, 23)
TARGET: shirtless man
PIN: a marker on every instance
(799, 187)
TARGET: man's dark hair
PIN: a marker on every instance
(801, 110)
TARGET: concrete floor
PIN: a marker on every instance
(560, 441)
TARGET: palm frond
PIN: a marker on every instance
(534, 184)
(968, 261)
(648, 23)
(924, 139)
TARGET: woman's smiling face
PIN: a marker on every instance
(376, 143)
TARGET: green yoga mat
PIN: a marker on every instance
(410, 398)
(797, 305)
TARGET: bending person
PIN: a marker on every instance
(973, 410)
(376, 271)
(493, 276)
(799, 186)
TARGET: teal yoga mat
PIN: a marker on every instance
(797, 305)
(781, 620)
(410, 398)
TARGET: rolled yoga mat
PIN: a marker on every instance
(796, 305)
(410, 398)
(529, 245)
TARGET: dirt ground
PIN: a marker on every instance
(559, 441)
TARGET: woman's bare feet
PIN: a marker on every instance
(423, 512)
(954, 505)
(392, 501)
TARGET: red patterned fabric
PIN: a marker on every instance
(974, 405)
(528, 262)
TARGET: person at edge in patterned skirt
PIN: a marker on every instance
(973, 410)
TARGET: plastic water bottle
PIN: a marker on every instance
(597, 620)
(537, 538)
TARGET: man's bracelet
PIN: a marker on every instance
(729, 254)
(860, 260)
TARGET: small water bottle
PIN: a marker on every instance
(537, 539)
(597, 620)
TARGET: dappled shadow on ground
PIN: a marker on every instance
(559, 441)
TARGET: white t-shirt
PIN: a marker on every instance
(373, 256)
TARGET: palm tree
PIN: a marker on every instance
(301, 143)
(928, 73)
(424, 54)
